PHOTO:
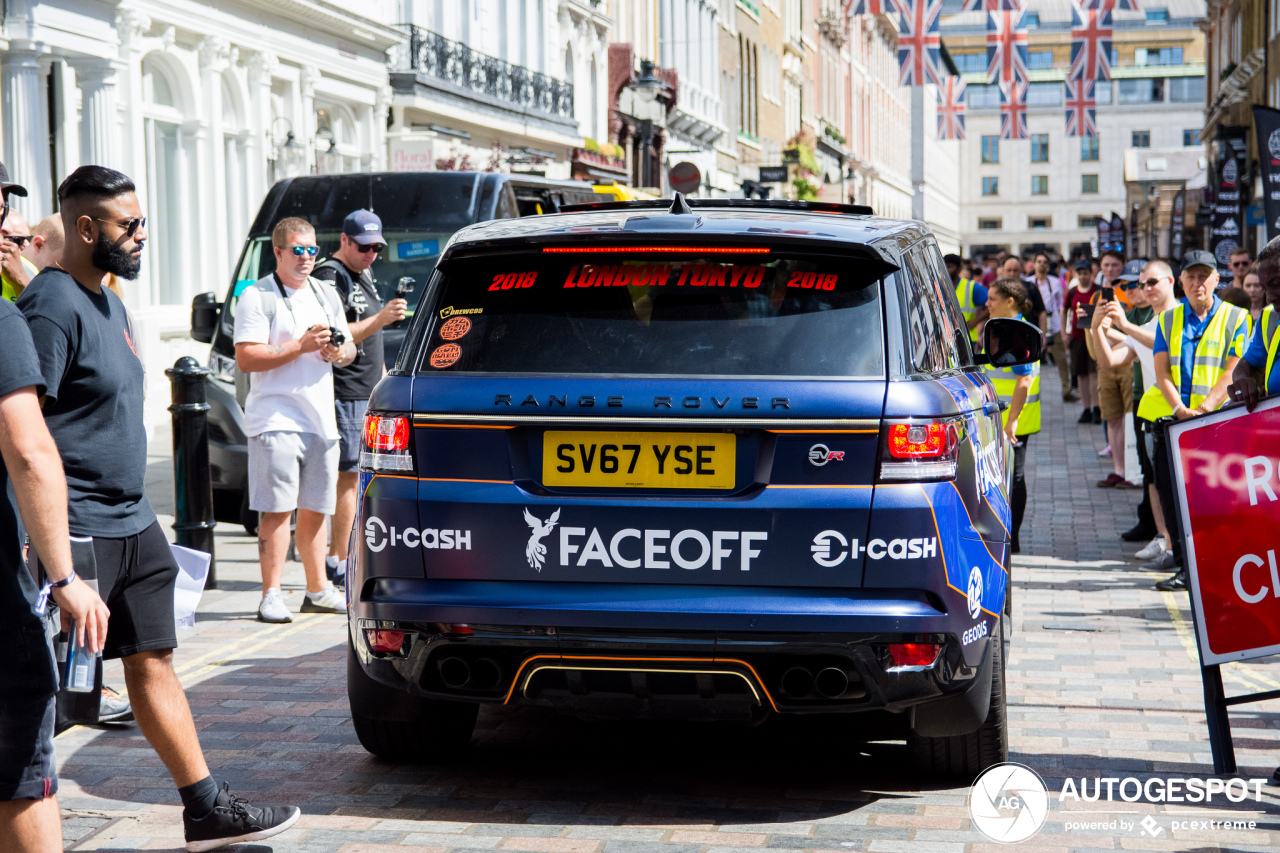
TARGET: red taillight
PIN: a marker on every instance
(919, 441)
(386, 433)
(914, 654)
(384, 641)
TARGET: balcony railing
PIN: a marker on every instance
(458, 64)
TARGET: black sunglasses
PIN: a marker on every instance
(20, 241)
(1151, 282)
(130, 228)
(1132, 285)
(372, 247)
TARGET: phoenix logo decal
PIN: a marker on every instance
(535, 551)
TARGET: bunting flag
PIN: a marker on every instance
(1082, 109)
(951, 108)
(919, 43)
(1090, 45)
(872, 7)
(1109, 5)
(1006, 48)
(993, 5)
(1013, 111)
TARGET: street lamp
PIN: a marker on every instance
(646, 88)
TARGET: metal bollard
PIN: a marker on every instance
(193, 490)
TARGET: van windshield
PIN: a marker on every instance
(412, 253)
(694, 312)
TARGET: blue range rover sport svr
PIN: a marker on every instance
(711, 460)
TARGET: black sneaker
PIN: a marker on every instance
(233, 820)
(1086, 417)
(1097, 415)
(1177, 583)
(1275, 777)
(1139, 533)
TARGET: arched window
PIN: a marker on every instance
(169, 183)
(568, 63)
(235, 165)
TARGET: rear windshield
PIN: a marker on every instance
(687, 314)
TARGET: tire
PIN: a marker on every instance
(421, 731)
(248, 518)
(966, 756)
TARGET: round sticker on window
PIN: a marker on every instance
(446, 355)
(455, 328)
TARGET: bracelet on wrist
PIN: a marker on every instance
(42, 601)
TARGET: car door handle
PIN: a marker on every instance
(993, 408)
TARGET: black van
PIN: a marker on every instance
(420, 211)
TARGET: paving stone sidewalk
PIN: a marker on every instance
(1103, 682)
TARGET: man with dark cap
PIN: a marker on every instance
(348, 271)
(13, 275)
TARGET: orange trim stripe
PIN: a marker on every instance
(786, 486)
(824, 431)
(461, 480)
(530, 660)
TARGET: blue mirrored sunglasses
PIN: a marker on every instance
(310, 250)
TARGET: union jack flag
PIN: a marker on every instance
(951, 108)
(1006, 48)
(1108, 5)
(1013, 111)
(1090, 45)
(872, 7)
(919, 43)
(993, 5)
(1081, 108)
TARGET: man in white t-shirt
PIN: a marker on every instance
(1051, 291)
(285, 340)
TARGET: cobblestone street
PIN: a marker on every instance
(1103, 682)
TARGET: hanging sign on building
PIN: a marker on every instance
(1117, 232)
(1266, 123)
(1226, 234)
(1178, 225)
(1104, 234)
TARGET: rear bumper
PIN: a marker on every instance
(691, 652)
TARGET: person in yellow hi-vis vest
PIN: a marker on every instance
(1264, 345)
(1018, 388)
(1198, 343)
(972, 296)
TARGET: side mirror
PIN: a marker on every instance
(1007, 342)
(205, 309)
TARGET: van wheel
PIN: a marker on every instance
(966, 756)
(424, 730)
(248, 518)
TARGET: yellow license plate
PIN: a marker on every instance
(650, 460)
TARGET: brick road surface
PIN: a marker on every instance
(1103, 682)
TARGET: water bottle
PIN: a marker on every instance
(81, 666)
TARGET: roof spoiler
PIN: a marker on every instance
(683, 204)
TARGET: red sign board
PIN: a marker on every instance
(1227, 469)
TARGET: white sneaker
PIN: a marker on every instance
(327, 600)
(1106, 451)
(1152, 549)
(272, 608)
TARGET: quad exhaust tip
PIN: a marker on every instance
(799, 682)
(481, 674)
(455, 672)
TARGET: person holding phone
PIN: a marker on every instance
(1075, 324)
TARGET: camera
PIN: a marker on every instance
(405, 286)
(336, 338)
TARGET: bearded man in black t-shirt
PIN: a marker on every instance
(348, 269)
(93, 405)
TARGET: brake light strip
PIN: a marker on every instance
(680, 250)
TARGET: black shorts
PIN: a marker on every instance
(28, 685)
(1082, 364)
(135, 578)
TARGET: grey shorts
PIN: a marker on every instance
(350, 432)
(293, 470)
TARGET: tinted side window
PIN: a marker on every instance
(951, 307)
(922, 320)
